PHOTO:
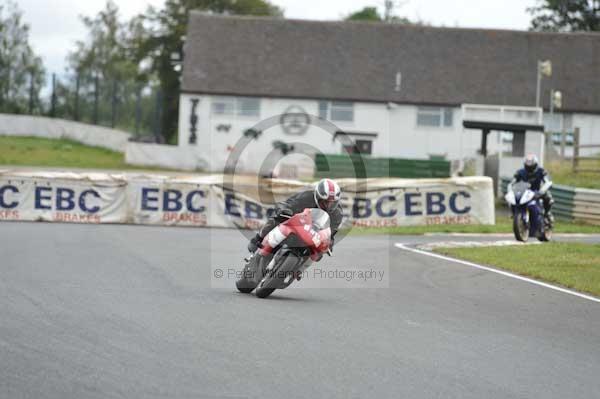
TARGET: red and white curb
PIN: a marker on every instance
(501, 272)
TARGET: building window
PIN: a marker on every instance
(240, 106)
(558, 122)
(223, 105)
(341, 111)
(364, 147)
(569, 138)
(248, 106)
(323, 109)
(435, 116)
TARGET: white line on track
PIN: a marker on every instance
(473, 244)
(507, 274)
(502, 235)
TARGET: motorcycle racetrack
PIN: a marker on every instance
(119, 311)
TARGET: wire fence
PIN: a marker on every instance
(128, 105)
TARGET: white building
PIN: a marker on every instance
(395, 90)
(377, 129)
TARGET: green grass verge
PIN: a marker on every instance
(37, 151)
(503, 225)
(572, 265)
(562, 173)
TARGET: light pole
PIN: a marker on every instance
(555, 100)
(543, 68)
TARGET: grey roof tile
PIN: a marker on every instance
(276, 57)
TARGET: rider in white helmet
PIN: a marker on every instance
(325, 195)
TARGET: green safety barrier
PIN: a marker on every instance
(361, 166)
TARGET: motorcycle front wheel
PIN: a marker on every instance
(279, 276)
(546, 235)
(246, 283)
(265, 287)
(520, 228)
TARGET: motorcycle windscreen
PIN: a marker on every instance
(519, 189)
(320, 219)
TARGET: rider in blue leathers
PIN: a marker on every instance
(540, 182)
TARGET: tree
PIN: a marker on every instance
(104, 65)
(565, 15)
(366, 14)
(371, 14)
(105, 54)
(21, 71)
(159, 39)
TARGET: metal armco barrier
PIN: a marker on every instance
(572, 203)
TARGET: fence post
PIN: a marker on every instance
(77, 82)
(2, 95)
(53, 98)
(96, 94)
(563, 142)
(158, 116)
(138, 109)
(575, 149)
(113, 108)
(31, 92)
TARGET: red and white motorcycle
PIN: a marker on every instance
(290, 248)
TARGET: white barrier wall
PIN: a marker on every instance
(52, 128)
(206, 201)
(165, 156)
(188, 158)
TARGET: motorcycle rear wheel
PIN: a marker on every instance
(520, 228)
(243, 287)
(546, 235)
(264, 292)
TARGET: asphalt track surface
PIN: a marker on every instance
(129, 312)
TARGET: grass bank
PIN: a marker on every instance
(572, 265)
(37, 151)
(562, 173)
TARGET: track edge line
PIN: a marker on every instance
(498, 271)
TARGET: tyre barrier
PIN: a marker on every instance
(209, 200)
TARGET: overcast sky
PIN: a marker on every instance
(55, 24)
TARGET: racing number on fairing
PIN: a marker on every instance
(316, 239)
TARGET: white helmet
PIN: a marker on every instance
(530, 163)
(327, 194)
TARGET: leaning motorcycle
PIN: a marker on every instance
(286, 252)
(528, 213)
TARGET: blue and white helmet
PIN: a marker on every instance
(327, 194)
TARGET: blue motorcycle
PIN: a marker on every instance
(528, 213)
